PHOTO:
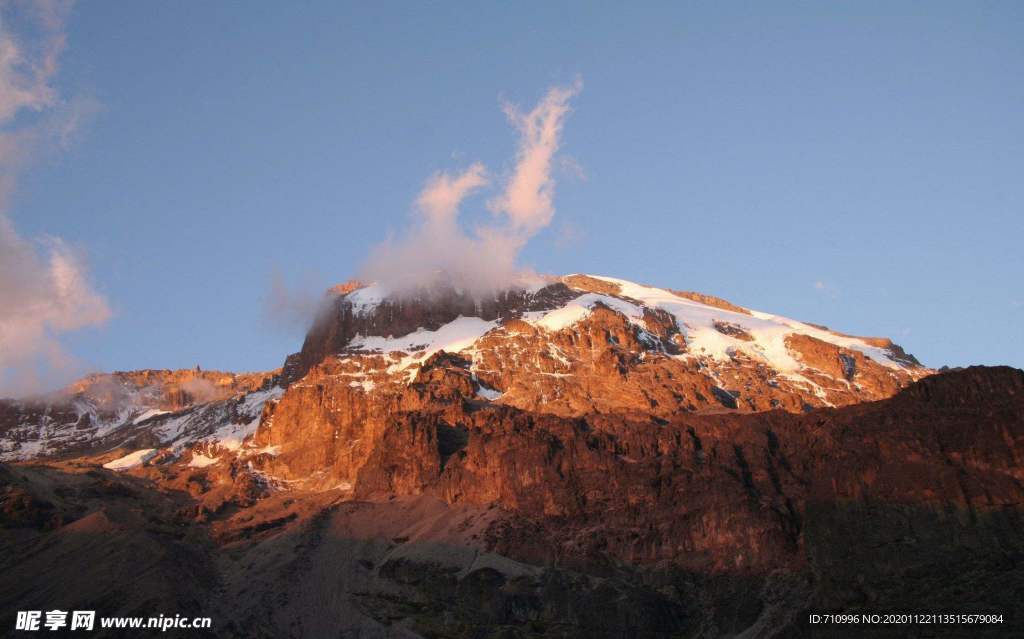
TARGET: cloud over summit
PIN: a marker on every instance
(481, 259)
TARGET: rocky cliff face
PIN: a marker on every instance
(354, 309)
(578, 346)
(476, 519)
(584, 457)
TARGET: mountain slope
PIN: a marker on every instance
(528, 524)
(102, 411)
(574, 457)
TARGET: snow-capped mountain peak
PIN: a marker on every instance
(567, 346)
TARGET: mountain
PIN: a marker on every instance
(575, 456)
(571, 346)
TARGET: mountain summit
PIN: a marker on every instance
(655, 350)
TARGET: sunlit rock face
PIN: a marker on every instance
(581, 454)
(484, 514)
(570, 346)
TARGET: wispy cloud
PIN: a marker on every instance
(43, 294)
(27, 67)
(437, 245)
(440, 199)
(44, 284)
(571, 167)
(528, 199)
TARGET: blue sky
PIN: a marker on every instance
(857, 165)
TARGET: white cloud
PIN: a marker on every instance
(26, 71)
(528, 200)
(440, 199)
(438, 247)
(44, 285)
(42, 296)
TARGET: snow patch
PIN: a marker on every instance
(131, 460)
(367, 385)
(579, 309)
(458, 335)
(200, 460)
(364, 300)
(152, 412)
(488, 393)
